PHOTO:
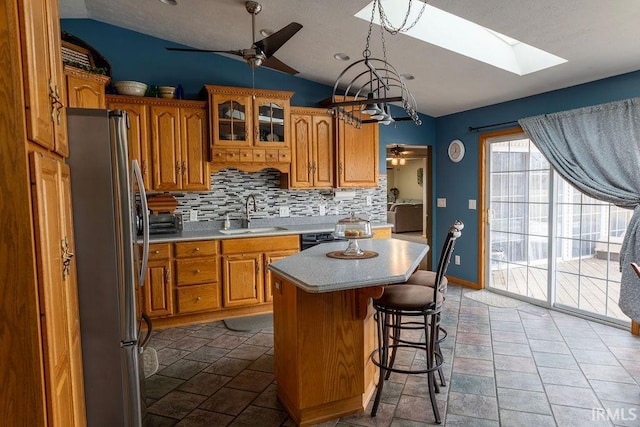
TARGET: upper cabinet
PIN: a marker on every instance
(84, 89)
(357, 155)
(312, 148)
(44, 86)
(249, 128)
(169, 138)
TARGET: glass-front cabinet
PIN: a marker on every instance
(232, 120)
(270, 122)
(250, 128)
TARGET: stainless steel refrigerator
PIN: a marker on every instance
(109, 206)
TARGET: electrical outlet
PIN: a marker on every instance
(472, 204)
(284, 211)
(193, 215)
(369, 200)
(456, 260)
(442, 202)
(323, 210)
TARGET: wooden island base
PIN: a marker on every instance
(323, 343)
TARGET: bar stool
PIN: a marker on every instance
(422, 305)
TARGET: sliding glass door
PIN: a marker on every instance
(546, 241)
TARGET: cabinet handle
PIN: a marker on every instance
(167, 276)
(340, 167)
(177, 167)
(66, 258)
(143, 167)
(197, 270)
(313, 167)
(156, 252)
(197, 249)
(257, 268)
(184, 167)
(198, 298)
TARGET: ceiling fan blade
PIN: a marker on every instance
(271, 44)
(185, 49)
(276, 64)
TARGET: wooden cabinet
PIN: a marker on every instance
(137, 134)
(245, 277)
(197, 276)
(84, 89)
(313, 160)
(169, 139)
(249, 128)
(43, 80)
(57, 290)
(157, 292)
(357, 155)
(271, 257)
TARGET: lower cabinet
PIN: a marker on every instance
(157, 293)
(209, 279)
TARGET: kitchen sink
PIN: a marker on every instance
(256, 230)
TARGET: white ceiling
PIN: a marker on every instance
(598, 38)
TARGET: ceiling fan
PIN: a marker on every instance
(261, 51)
(398, 151)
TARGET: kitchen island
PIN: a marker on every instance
(324, 330)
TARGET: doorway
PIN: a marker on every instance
(542, 240)
(409, 182)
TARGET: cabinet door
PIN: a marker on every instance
(53, 282)
(271, 117)
(138, 137)
(84, 93)
(242, 279)
(193, 135)
(270, 257)
(42, 66)
(323, 163)
(301, 166)
(165, 148)
(232, 123)
(357, 155)
(157, 289)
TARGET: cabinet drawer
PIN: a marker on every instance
(233, 155)
(284, 156)
(218, 155)
(271, 155)
(159, 251)
(198, 298)
(258, 155)
(246, 155)
(198, 248)
(196, 270)
(260, 244)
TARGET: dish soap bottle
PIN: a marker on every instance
(227, 223)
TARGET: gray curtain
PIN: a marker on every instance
(597, 149)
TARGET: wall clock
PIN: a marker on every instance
(456, 150)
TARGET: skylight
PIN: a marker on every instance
(459, 35)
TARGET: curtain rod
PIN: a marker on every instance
(471, 128)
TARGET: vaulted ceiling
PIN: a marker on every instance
(598, 38)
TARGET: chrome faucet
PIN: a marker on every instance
(247, 217)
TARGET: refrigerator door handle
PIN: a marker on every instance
(145, 222)
(146, 339)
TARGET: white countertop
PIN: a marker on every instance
(312, 271)
(211, 234)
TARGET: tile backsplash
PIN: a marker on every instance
(230, 188)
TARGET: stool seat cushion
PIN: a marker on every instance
(425, 278)
(408, 297)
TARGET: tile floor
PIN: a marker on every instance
(524, 366)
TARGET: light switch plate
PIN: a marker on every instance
(442, 202)
(456, 260)
(193, 215)
(472, 204)
(323, 210)
(369, 200)
(284, 211)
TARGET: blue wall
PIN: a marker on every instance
(458, 182)
(134, 56)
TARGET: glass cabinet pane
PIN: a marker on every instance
(232, 121)
(271, 122)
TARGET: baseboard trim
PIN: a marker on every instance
(465, 283)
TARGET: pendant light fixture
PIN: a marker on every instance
(365, 90)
